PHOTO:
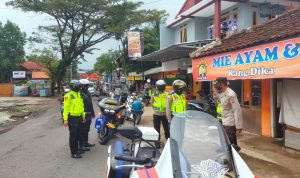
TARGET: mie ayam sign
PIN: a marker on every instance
(274, 60)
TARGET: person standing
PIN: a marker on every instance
(176, 101)
(89, 111)
(159, 104)
(231, 110)
(73, 116)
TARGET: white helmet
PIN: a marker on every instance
(148, 80)
(160, 82)
(84, 81)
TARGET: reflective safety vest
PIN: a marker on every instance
(73, 105)
(178, 103)
(160, 102)
(219, 111)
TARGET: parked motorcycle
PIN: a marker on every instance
(109, 120)
(134, 109)
(205, 104)
(139, 151)
(198, 148)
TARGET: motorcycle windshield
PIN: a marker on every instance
(203, 150)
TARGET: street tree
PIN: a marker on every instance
(81, 24)
(12, 42)
(106, 62)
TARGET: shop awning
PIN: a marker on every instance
(177, 51)
(153, 71)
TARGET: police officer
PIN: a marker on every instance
(176, 101)
(74, 115)
(231, 110)
(89, 111)
(159, 104)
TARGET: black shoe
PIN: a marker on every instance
(80, 152)
(89, 145)
(84, 148)
(76, 156)
(157, 145)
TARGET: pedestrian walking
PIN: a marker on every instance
(89, 112)
(176, 101)
(231, 110)
(159, 104)
(74, 115)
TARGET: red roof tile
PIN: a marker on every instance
(31, 65)
(284, 26)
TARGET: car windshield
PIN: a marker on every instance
(202, 146)
(91, 85)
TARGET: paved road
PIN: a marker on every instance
(39, 148)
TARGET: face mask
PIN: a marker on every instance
(76, 89)
(179, 92)
(219, 88)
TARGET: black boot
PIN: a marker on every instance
(89, 145)
(83, 148)
(76, 156)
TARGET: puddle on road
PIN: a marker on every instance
(5, 117)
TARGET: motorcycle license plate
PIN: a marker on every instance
(111, 125)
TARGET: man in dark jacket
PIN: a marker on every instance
(89, 111)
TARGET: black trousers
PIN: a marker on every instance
(156, 123)
(86, 129)
(75, 129)
(231, 133)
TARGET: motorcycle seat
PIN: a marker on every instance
(131, 133)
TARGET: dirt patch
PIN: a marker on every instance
(14, 111)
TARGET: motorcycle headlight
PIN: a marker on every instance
(112, 111)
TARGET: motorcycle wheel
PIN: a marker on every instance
(137, 119)
(147, 102)
(104, 135)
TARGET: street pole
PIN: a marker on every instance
(111, 71)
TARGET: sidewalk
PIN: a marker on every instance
(267, 158)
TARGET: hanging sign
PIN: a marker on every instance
(274, 60)
(134, 44)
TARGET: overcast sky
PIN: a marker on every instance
(28, 23)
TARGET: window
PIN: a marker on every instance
(183, 34)
(256, 92)
(254, 16)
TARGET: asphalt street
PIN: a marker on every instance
(40, 148)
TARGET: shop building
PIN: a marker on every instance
(263, 66)
(198, 23)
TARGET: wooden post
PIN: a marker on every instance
(217, 19)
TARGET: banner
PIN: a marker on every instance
(19, 74)
(134, 44)
(170, 74)
(274, 60)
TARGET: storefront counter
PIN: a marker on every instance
(252, 119)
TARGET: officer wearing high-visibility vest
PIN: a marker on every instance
(176, 101)
(74, 115)
(159, 104)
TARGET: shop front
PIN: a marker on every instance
(264, 78)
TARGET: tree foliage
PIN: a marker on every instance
(106, 62)
(12, 42)
(81, 24)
